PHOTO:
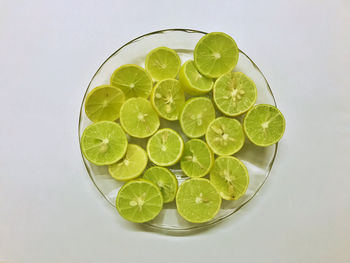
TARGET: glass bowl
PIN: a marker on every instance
(258, 160)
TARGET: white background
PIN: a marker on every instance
(51, 212)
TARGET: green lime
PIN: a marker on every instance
(138, 118)
(215, 54)
(230, 177)
(264, 125)
(225, 136)
(234, 93)
(196, 116)
(103, 143)
(197, 200)
(165, 180)
(139, 201)
(168, 99)
(197, 158)
(192, 81)
(103, 103)
(165, 147)
(133, 80)
(163, 63)
(131, 166)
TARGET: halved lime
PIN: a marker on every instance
(230, 177)
(225, 136)
(165, 180)
(138, 118)
(197, 158)
(197, 200)
(133, 80)
(131, 166)
(168, 99)
(215, 54)
(196, 116)
(165, 147)
(234, 93)
(103, 103)
(192, 81)
(264, 125)
(163, 63)
(139, 201)
(103, 143)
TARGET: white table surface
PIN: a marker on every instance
(51, 212)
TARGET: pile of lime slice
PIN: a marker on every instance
(203, 97)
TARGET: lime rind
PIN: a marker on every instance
(197, 200)
(131, 166)
(215, 54)
(139, 201)
(192, 81)
(230, 177)
(165, 180)
(197, 159)
(103, 143)
(234, 93)
(162, 63)
(133, 80)
(103, 103)
(168, 99)
(265, 128)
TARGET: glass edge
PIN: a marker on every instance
(168, 229)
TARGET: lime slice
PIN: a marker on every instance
(163, 63)
(230, 177)
(103, 103)
(133, 80)
(215, 54)
(264, 125)
(165, 147)
(197, 158)
(168, 99)
(234, 93)
(225, 136)
(138, 118)
(103, 143)
(139, 201)
(196, 116)
(165, 180)
(131, 166)
(193, 82)
(197, 200)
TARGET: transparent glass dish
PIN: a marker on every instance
(258, 160)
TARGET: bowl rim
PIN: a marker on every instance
(171, 228)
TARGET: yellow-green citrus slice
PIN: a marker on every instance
(103, 103)
(264, 125)
(230, 177)
(165, 147)
(225, 136)
(163, 63)
(133, 80)
(192, 81)
(215, 54)
(165, 180)
(168, 99)
(103, 143)
(138, 118)
(139, 201)
(197, 200)
(196, 115)
(131, 166)
(234, 93)
(197, 158)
